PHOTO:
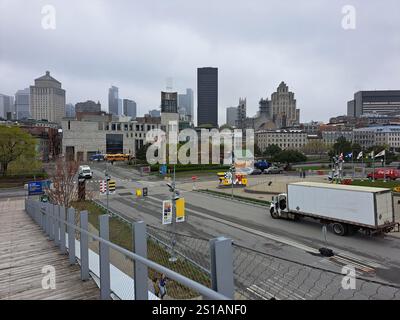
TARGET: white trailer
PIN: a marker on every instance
(346, 208)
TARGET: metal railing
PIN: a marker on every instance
(58, 223)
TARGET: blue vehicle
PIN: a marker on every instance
(262, 165)
(97, 157)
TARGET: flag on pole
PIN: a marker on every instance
(381, 154)
(360, 155)
(372, 154)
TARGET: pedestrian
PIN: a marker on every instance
(156, 287)
(304, 174)
(301, 173)
(162, 285)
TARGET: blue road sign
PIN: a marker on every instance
(35, 188)
(163, 169)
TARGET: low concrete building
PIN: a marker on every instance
(330, 137)
(378, 136)
(104, 134)
(285, 139)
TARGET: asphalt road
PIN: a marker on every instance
(251, 226)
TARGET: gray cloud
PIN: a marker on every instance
(256, 44)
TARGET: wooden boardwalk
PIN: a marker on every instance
(24, 251)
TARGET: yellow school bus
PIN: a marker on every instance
(117, 157)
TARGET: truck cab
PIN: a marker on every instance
(278, 208)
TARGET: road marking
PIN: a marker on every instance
(256, 232)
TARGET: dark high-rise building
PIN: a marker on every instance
(207, 96)
(384, 102)
(88, 106)
(129, 108)
(169, 102)
(113, 100)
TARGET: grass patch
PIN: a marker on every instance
(244, 199)
(376, 184)
(19, 180)
(121, 234)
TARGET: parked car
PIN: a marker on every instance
(273, 170)
(85, 172)
(262, 165)
(248, 171)
(380, 174)
(97, 157)
(256, 172)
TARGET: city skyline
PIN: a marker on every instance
(323, 65)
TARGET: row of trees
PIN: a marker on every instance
(276, 154)
(15, 145)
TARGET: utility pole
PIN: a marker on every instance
(174, 197)
(107, 188)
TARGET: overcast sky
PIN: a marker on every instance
(137, 45)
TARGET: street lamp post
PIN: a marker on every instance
(175, 196)
(232, 170)
(107, 188)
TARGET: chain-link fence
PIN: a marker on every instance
(262, 277)
(257, 275)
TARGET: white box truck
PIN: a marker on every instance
(347, 208)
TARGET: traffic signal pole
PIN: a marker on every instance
(173, 257)
(107, 188)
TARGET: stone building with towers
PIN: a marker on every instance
(47, 99)
(283, 107)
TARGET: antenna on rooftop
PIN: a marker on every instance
(169, 83)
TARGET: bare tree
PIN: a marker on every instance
(64, 189)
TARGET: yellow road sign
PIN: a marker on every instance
(111, 186)
(180, 210)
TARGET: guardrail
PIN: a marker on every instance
(58, 223)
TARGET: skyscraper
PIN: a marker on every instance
(207, 96)
(129, 108)
(169, 111)
(7, 107)
(70, 110)
(231, 116)
(242, 113)
(47, 99)
(382, 102)
(22, 104)
(185, 102)
(113, 100)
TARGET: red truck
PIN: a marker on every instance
(390, 174)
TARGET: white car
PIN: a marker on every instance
(246, 170)
(85, 172)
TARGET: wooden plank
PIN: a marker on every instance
(24, 251)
